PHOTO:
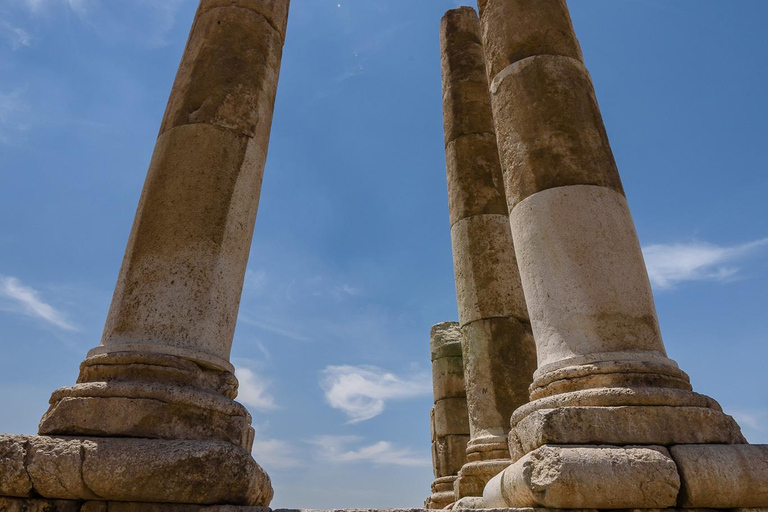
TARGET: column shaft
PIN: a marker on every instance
(162, 371)
(603, 376)
(449, 420)
(499, 352)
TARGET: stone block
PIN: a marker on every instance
(172, 288)
(623, 426)
(449, 454)
(475, 184)
(549, 128)
(474, 476)
(466, 99)
(445, 340)
(448, 378)
(14, 479)
(55, 466)
(723, 476)
(499, 357)
(138, 417)
(513, 31)
(275, 11)
(598, 477)
(228, 75)
(584, 277)
(485, 267)
(451, 417)
(202, 472)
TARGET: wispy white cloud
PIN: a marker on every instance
(671, 264)
(22, 299)
(280, 331)
(80, 7)
(754, 423)
(275, 453)
(337, 449)
(362, 391)
(253, 390)
(17, 36)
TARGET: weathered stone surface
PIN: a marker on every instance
(160, 370)
(450, 417)
(228, 75)
(518, 31)
(723, 476)
(584, 276)
(174, 471)
(466, 99)
(448, 378)
(94, 506)
(626, 426)
(475, 183)
(14, 479)
(449, 454)
(445, 340)
(625, 374)
(549, 129)
(587, 477)
(617, 397)
(499, 358)
(275, 11)
(37, 505)
(55, 466)
(181, 279)
(148, 418)
(487, 280)
(474, 476)
(468, 503)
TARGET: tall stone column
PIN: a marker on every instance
(156, 397)
(607, 402)
(449, 420)
(499, 351)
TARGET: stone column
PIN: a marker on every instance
(162, 371)
(603, 374)
(448, 419)
(499, 352)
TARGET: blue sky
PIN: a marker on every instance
(351, 260)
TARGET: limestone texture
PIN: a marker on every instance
(723, 476)
(514, 30)
(634, 425)
(14, 479)
(449, 421)
(498, 349)
(599, 477)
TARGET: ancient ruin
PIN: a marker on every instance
(554, 389)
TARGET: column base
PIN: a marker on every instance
(442, 493)
(155, 396)
(629, 477)
(474, 476)
(131, 470)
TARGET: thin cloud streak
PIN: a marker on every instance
(253, 389)
(669, 265)
(361, 392)
(26, 300)
(337, 449)
(275, 454)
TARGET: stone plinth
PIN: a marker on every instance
(609, 409)
(499, 352)
(152, 417)
(449, 418)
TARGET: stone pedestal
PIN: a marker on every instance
(152, 417)
(499, 352)
(607, 403)
(448, 418)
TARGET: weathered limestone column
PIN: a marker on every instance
(449, 420)
(604, 384)
(156, 397)
(499, 352)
